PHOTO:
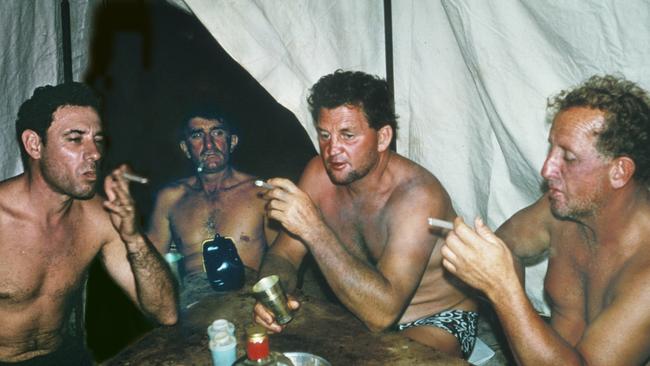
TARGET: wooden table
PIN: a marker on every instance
(319, 327)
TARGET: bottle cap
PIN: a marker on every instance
(222, 341)
(257, 346)
(221, 325)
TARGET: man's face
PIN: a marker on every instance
(348, 146)
(208, 144)
(576, 173)
(72, 151)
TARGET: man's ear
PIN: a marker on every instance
(384, 137)
(234, 139)
(621, 171)
(183, 146)
(32, 143)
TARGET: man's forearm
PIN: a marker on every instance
(276, 265)
(356, 283)
(155, 285)
(532, 341)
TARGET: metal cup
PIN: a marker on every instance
(269, 292)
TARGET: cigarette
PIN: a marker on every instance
(441, 223)
(263, 184)
(135, 178)
(199, 168)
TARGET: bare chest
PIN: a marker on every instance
(360, 228)
(36, 263)
(198, 218)
(580, 282)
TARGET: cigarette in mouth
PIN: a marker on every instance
(135, 178)
(440, 223)
(263, 184)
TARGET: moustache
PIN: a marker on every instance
(211, 152)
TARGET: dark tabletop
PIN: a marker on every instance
(318, 327)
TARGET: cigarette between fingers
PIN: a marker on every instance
(440, 223)
(263, 184)
(135, 178)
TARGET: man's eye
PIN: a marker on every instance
(76, 140)
(569, 157)
(324, 136)
(196, 135)
(348, 136)
(217, 133)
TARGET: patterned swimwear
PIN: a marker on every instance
(461, 324)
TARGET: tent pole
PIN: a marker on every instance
(388, 36)
(67, 43)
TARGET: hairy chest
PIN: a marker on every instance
(198, 218)
(361, 228)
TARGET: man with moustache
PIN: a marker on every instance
(217, 199)
(361, 210)
(593, 225)
(52, 225)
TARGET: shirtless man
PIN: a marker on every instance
(52, 225)
(592, 223)
(361, 210)
(217, 199)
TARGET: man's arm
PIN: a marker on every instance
(159, 230)
(132, 260)
(271, 230)
(483, 261)
(283, 259)
(527, 234)
(377, 294)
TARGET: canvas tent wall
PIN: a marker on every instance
(471, 77)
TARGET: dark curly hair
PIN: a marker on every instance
(627, 118)
(356, 88)
(36, 112)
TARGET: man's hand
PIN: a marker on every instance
(478, 257)
(120, 205)
(292, 207)
(264, 317)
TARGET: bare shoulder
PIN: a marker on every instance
(415, 186)
(529, 231)
(95, 220)
(173, 191)
(314, 179)
(11, 191)
(14, 203)
(634, 276)
(245, 183)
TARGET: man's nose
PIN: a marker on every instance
(208, 143)
(93, 151)
(550, 167)
(333, 145)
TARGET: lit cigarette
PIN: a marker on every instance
(441, 223)
(199, 168)
(263, 184)
(135, 178)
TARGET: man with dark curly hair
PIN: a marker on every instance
(592, 223)
(361, 210)
(52, 226)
